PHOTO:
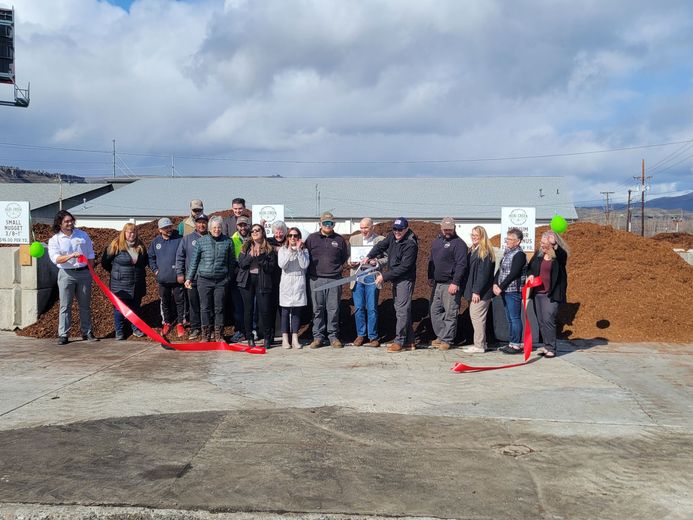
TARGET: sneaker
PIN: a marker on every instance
(541, 351)
(180, 330)
(166, 329)
(359, 341)
(194, 334)
(89, 336)
(62, 340)
(373, 343)
(316, 343)
(394, 347)
(237, 337)
(119, 336)
(138, 333)
(336, 344)
(474, 350)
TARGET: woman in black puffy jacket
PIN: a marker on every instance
(257, 262)
(126, 259)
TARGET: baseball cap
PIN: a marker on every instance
(326, 216)
(165, 222)
(196, 204)
(447, 223)
(242, 220)
(201, 216)
(400, 223)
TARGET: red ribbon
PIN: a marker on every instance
(154, 335)
(461, 367)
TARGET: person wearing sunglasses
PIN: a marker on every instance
(187, 226)
(293, 261)
(328, 254)
(257, 262)
(508, 285)
(402, 248)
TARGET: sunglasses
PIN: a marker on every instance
(397, 230)
(328, 223)
(293, 235)
(197, 210)
(256, 230)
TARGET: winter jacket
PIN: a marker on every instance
(162, 258)
(401, 256)
(292, 287)
(185, 252)
(448, 261)
(559, 276)
(212, 258)
(268, 263)
(479, 277)
(128, 280)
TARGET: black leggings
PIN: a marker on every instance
(264, 304)
(291, 319)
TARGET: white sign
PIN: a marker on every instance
(270, 213)
(358, 253)
(525, 220)
(15, 222)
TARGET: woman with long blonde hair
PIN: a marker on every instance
(478, 290)
(126, 259)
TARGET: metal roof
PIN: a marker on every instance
(41, 194)
(347, 197)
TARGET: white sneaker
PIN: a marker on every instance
(474, 350)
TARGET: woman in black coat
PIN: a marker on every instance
(478, 290)
(126, 259)
(257, 263)
(549, 263)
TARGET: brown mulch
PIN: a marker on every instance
(621, 287)
(676, 240)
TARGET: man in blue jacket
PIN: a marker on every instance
(162, 261)
(447, 268)
(183, 255)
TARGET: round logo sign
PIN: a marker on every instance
(158, 246)
(518, 217)
(268, 214)
(13, 210)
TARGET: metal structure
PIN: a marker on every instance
(7, 71)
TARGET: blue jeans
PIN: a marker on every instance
(513, 311)
(118, 317)
(366, 305)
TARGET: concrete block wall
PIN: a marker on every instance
(25, 290)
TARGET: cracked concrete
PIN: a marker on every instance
(115, 430)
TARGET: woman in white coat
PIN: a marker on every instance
(293, 261)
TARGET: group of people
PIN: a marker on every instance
(208, 266)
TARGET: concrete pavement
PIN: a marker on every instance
(101, 429)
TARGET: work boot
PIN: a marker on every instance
(285, 340)
(207, 333)
(395, 347)
(62, 340)
(435, 343)
(89, 336)
(359, 341)
(373, 343)
(336, 343)
(219, 332)
(294, 341)
(316, 343)
(442, 345)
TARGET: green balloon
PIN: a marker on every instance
(559, 224)
(36, 249)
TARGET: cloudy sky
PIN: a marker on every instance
(361, 88)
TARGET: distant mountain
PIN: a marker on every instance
(12, 174)
(682, 202)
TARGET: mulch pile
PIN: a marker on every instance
(676, 240)
(621, 287)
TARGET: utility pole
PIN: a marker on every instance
(642, 198)
(628, 214)
(607, 214)
(114, 158)
(173, 166)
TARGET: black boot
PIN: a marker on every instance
(206, 333)
(251, 340)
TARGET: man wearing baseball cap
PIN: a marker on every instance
(183, 255)
(187, 226)
(402, 248)
(162, 261)
(240, 237)
(447, 269)
(328, 253)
